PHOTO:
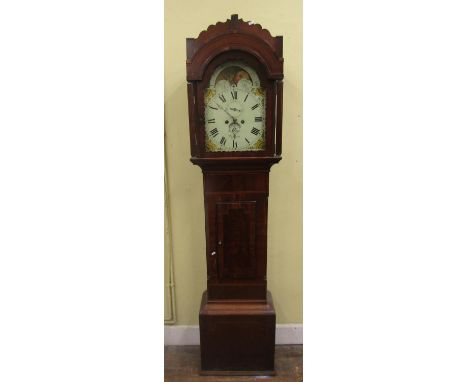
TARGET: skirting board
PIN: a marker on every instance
(286, 334)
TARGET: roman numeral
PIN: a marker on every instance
(212, 120)
(234, 144)
(234, 94)
(255, 131)
(258, 119)
(254, 106)
(223, 141)
(247, 141)
(214, 108)
(214, 132)
(245, 99)
(221, 97)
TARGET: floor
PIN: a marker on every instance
(182, 365)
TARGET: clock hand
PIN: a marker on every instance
(224, 109)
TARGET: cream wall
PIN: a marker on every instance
(184, 18)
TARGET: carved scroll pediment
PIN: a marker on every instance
(234, 33)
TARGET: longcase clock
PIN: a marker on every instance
(234, 75)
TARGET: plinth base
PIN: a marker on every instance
(237, 337)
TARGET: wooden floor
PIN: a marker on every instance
(182, 363)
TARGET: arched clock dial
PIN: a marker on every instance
(234, 110)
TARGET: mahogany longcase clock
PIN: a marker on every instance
(234, 75)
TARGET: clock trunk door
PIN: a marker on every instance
(236, 239)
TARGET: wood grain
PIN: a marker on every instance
(237, 317)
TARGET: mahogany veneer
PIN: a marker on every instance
(237, 317)
(237, 337)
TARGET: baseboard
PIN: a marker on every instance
(286, 334)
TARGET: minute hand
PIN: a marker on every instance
(223, 108)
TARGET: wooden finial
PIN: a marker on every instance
(235, 17)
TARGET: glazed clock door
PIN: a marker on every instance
(236, 235)
(234, 109)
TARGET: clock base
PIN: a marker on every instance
(237, 337)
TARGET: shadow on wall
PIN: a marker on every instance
(185, 199)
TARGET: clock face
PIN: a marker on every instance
(234, 109)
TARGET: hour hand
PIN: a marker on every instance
(223, 108)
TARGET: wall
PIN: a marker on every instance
(183, 19)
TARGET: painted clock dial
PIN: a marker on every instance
(234, 109)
